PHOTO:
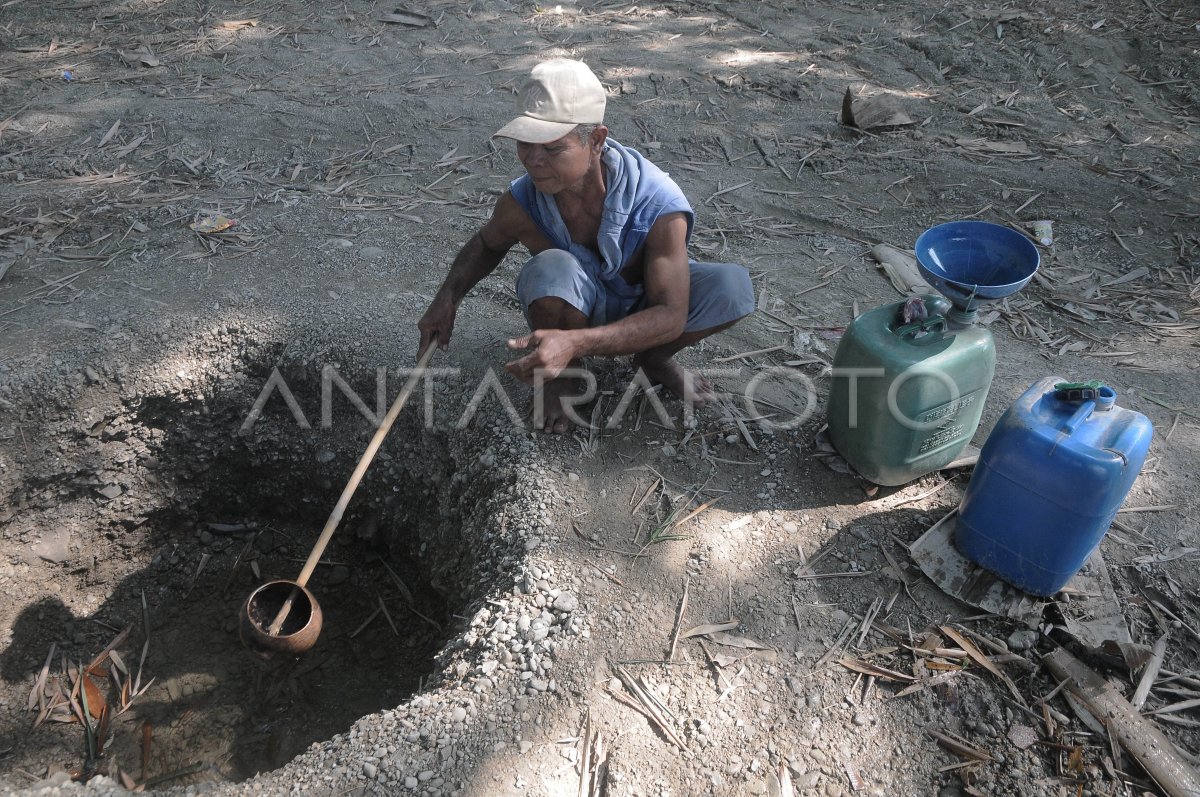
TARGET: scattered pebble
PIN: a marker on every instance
(1022, 639)
(566, 602)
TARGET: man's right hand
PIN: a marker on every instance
(478, 257)
(438, 320)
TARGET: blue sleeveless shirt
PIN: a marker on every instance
(637, 194)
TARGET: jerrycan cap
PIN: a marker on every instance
(1077, 392)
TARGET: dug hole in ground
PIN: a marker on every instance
(200, 201)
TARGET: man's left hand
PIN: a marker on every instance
(553, 351)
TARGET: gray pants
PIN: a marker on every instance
(720, 292)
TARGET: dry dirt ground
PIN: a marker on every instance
(489, 583)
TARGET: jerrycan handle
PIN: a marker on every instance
(931, 324)
(1091, 396)
(1082, 414)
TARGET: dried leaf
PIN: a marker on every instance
(732, 641)
(779, 782)
(866, 668)
(959, 746)
(95, 701)
(856, 781)
(722, 660)
(936, 680)
(646, 703)
(901, 269)
(212, 223)
(112, 131)
(109, 650)
(102, 727)
(71, 322)
(973, 652)
(147, 745)
(679, 612)
(1165, 556)
(411, 19)
(977, 656)
(985, 146)
(1182, 705)
(1075, 761)
(872, 112)
(1136, 274)
(128, 148)
(709, 628)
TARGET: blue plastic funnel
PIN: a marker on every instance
(975, 262)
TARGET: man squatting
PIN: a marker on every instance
(608, 232)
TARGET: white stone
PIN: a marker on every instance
(566, 602)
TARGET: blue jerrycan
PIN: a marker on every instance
(1049, 481)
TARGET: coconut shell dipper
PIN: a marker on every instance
(284, 616)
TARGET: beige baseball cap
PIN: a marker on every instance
(559, 95)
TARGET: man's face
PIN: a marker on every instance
(560, 164)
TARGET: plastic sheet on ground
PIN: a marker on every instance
(1093, 616)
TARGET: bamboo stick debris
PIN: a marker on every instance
(1140, 737)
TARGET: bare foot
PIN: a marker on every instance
(560, 397)
(687, 385)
